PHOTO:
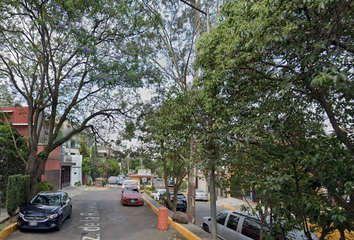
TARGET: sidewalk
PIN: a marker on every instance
(233, 203)
(72, 191)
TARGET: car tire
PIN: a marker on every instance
(206, 228)
(60, 221)
(70, 213)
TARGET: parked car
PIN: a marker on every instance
(112, 180)
(130, 183)
(46, 210)
(201, 195)
(181, 201)
(157, 193)
(132, 196)
(120, 180)
(170, 183)
(244, 226)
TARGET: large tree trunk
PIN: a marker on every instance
(35, 167)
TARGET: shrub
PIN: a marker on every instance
(153, 188)
(77, 184)
(25, 190)
(89, 183)
(17, 192)
(50, 187)
(13, 194)
(103, 182)
(184, 186)
(42, 186)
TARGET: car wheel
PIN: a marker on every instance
(206, 228)
(70, 213)
(59, 223)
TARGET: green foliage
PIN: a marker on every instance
(11, 163)
(184, 186)
(83, 148)
(113, 167)
(50, 187)
(89, 183)
(271, 75)
(84, 52)
(25, 190)
(104, 182)
(42, 186)
(17, 192)
(13, 194)
(77, 184)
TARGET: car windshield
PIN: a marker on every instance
(131, 190)
(50, 200)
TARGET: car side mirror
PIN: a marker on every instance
(27, 202)
(209, 219)
(63, 203)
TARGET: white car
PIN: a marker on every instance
(243, 226)
(201, 195)
(157, 193)
(112, 180)
(130, 183)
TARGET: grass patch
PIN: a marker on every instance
(4, 225)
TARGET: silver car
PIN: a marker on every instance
(201, 195)
(112, 180)
(243, 226)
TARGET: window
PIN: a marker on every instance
(233, 222)
(221, 217)
(252, 227)
(72, 144)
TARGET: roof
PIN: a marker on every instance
(137, 175)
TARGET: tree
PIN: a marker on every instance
(7, 97)
(69, 61)
(13, 149)
(171, 45)
(114, 168)
(83, 148)
(168, 129)
(280, 71)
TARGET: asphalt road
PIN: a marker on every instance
(99, 215)
(202, 208)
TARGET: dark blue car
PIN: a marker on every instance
(45, 211)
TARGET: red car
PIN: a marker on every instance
(132, 196)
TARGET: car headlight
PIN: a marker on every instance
(21, 215)
(52, 216)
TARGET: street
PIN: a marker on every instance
(99, 215)
(202, 208)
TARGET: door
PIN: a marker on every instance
(220, 223)
(230, 229)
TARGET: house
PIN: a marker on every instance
(63, 167)
(143, 176)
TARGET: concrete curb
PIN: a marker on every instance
(228, 207)
(97, 188)
(8, 231)
(182, 230)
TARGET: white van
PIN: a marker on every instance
(130, 183)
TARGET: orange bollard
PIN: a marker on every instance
(163, 219)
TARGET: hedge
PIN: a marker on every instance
(17, 192)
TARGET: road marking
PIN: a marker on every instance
(91, 225)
